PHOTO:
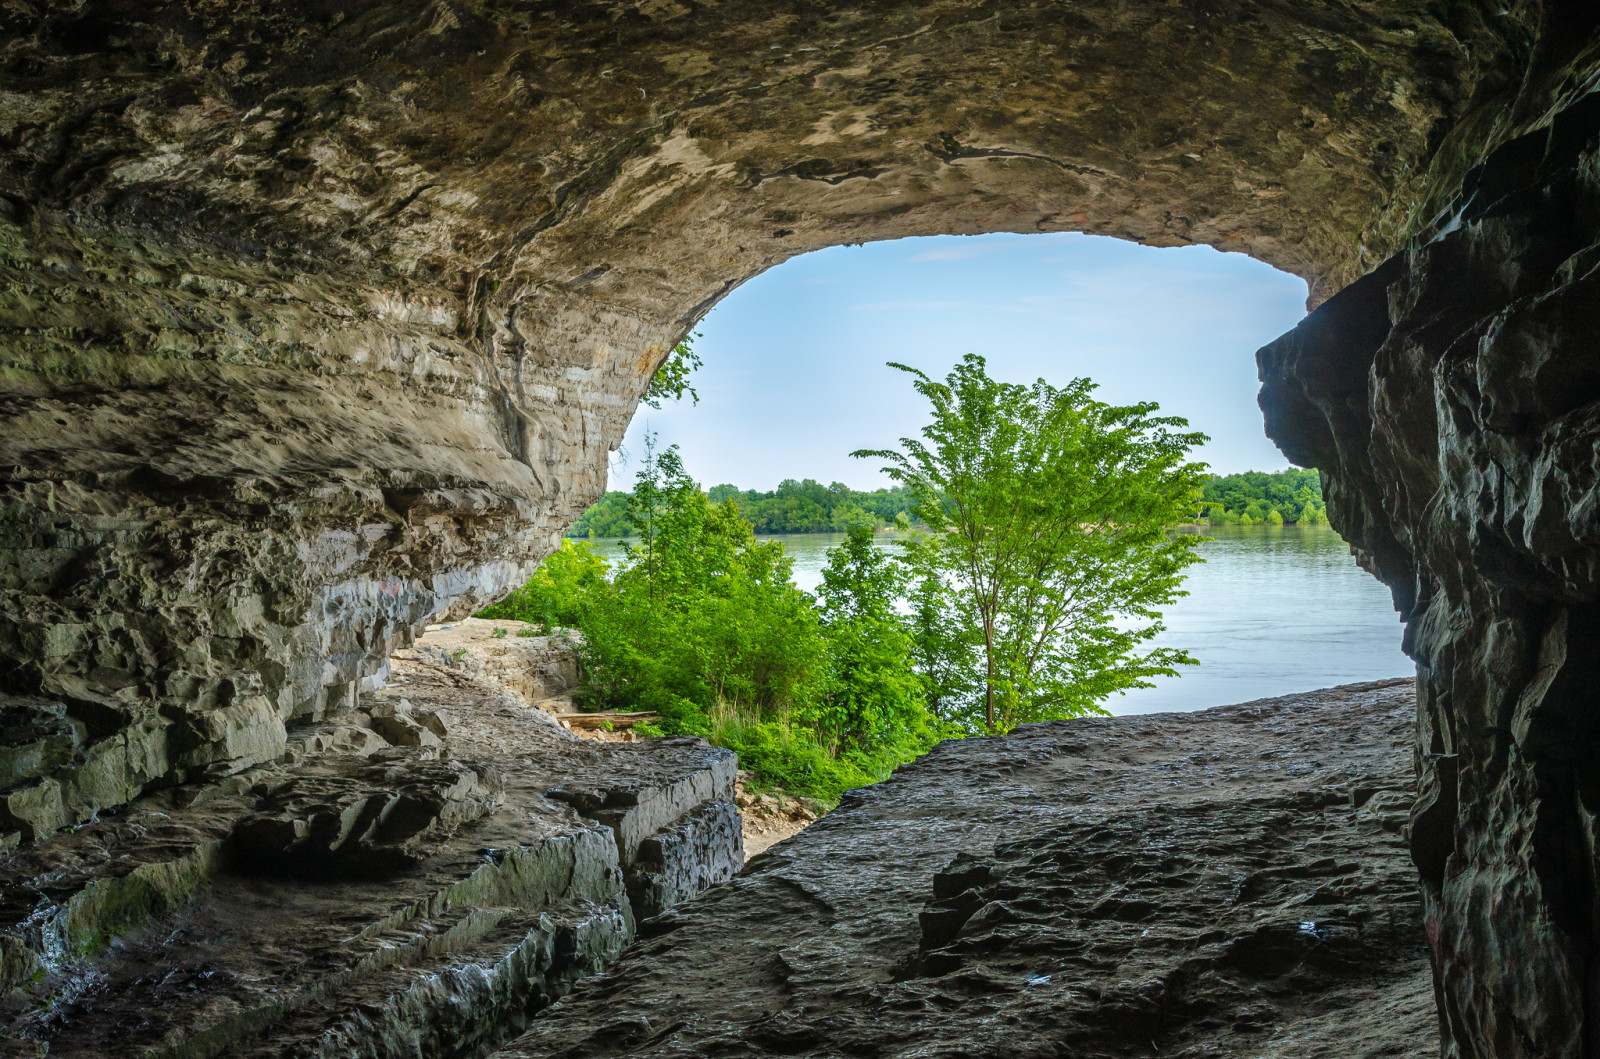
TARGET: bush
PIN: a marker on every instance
(556, 593)
(703, 625)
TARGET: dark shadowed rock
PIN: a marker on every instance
(353, 903)
(1226, 883)
(1452, 399)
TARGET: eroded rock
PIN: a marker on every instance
(1191, 885)
(373, 819)
(412, 900)
(1452, 399)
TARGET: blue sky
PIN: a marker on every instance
(794, 374)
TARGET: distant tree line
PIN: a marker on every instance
(805, 506)
(1262, 498)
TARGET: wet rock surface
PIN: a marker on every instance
(409, 900)
(1227, 883)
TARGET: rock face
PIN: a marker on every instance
(1226, 883)
(318, 321)
(1452, 398)
(391, 902)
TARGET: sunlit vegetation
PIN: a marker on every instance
(804, 506)
(1030, 592)
(703, 624)
(1254, 498)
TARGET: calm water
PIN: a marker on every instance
(1270, 611)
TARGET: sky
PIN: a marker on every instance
(794, 376)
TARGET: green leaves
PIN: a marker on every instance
(1260, 497)
(1049, 557)
(671, 380)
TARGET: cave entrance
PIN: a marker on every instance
(794, 379)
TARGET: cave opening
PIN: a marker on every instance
(794, 379)
(320, 323)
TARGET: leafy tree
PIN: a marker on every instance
(703, 624)
(671, 380)
(1050, 514)
(847, 516)
(1294, 494)
(947, 655)
(606, 517)
(861, 580)
(875, 700)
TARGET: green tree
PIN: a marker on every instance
(1049, 514)
(606, 517)
(875, 700)
(671, 379)
(703, 624)
(1294, 494)
(946, 654)
(556, 593)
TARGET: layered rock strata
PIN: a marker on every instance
(319, 322)
(1452, 399)
(361, 898)
(1226, 883)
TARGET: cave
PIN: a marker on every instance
(320, 321)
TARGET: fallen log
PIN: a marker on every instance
(600, 718)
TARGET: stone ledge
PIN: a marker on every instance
(1225, 883)
(344, 902)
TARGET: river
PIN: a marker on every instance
(1272, 610)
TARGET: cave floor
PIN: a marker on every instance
(1227, 883)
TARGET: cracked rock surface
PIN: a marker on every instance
(1227, 883)
(384, 903)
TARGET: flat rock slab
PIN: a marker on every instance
(1225, 883)
(418, 900)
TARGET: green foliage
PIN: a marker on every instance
(1258, 497)
(1032, 594)
(704, 625)
(606, 517)
(1050, 515)
(554, 595)
(671, 380)
(875, 701)
(794, 507)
